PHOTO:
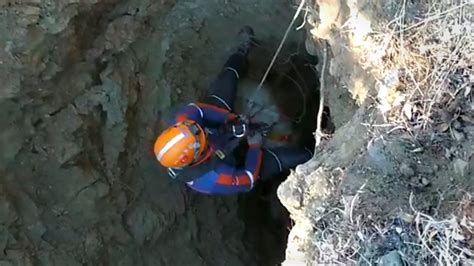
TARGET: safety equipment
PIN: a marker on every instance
(180, 145)
(190, 173)
(239, 126)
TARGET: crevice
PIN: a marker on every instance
(267, 221)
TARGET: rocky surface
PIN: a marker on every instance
(355, 201)
(85, 87)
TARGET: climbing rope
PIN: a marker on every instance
(275, 56)
(297, 13)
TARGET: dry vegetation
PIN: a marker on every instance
(423, 64)
(346, 235)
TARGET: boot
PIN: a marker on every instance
(246, 40)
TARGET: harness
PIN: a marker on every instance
(213, 159)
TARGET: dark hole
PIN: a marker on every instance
(292, 83)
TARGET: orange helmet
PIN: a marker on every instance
(180, 145)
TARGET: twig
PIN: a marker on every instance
(434, 17)
(306, 11)
(319, 133)
(356, 197)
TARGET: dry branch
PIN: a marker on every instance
(319, 133)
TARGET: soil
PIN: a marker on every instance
(358, 199)
(87, 85)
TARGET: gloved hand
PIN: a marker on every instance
(255, 139)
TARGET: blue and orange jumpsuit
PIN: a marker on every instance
(224, 178)
(211, 114)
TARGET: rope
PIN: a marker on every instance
(297, 13)
(277, 52)
(319, 133)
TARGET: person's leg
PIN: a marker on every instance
(282, 159)
(224, 88)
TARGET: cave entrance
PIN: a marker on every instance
(293, 85)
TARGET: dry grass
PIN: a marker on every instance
(423, 63)
(347, 237)
(444, 241)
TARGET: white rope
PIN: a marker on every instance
(319, 132)
(297, 13)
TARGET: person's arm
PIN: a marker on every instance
(232, 180)
(227, 179)
(202, 112)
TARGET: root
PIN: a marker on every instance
(319, 133)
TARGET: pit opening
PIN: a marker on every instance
(293, 83)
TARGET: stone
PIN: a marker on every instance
(461, 167)
(467, 119)
(379, 158)
(425, 181)
(443, 127)
(406, 170)
(392, 259)
(290, 194)
(457, 125)
(415, 181)
(406, 217)
(458, 135)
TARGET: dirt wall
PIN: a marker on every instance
(376, 186)
(85, 87)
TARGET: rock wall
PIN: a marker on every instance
(85, 87)
(357, 199)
